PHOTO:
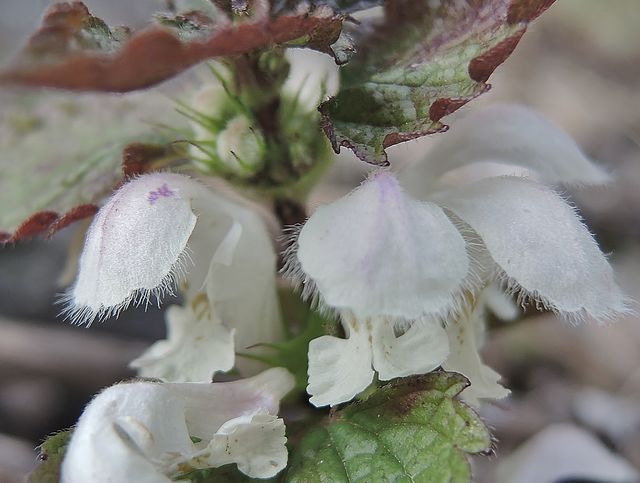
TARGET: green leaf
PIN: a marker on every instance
(226, 474)
(51, 455)
(424, 62)
(413, 430)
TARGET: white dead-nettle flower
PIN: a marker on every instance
(145, 431)
(341, 368)
(381, 259)
(526, 235)
(379, 254)
(162, 227)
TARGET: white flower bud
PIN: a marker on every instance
(241, 147)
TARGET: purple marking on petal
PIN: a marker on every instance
(162, 191)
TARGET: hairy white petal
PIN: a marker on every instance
(378, 252)
(508, 134)
(539, 242)
(419, 350)
(256, 443)
(134, 245)
(142, 430)
(122, 432)
(340, 368)
(464, 336)
(197, 346)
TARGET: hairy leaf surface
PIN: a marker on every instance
(51, 454)
(413, 430)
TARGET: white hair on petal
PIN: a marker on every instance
(292, 271)
(86, 315)
(525, 298)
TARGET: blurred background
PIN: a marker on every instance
(576, 390)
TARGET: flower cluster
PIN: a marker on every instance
(410, 263)
(157, 231)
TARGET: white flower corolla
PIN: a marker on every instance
(503, 136)
(379, 254)
(144, 431)
(162, 227)
(527, 236)
(500, 303)
(198, 345)
(135, 246)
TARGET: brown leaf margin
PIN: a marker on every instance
(155, 54)
(480, 69)
(46, 223)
